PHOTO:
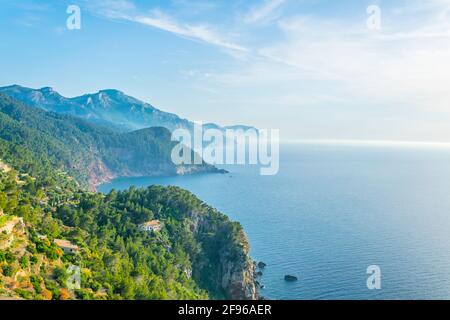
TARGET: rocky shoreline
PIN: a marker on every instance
(99, 173)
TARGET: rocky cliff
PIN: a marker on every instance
(224, 266)
(237, 272)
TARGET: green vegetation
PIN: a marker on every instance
(35, 141)
(117, 259)
(4, 219)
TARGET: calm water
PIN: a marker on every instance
(334, 210)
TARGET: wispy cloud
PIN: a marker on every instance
(264, 11)
(195, 32)
(404, 65)
(326, 62)
(127, 10)
(387, 67)
(112, 9)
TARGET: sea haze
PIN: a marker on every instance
(332, 211)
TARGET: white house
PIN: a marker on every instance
(66, 246)
(151, 226)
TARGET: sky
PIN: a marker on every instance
(313, 69)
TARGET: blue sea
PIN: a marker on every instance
(334, 210)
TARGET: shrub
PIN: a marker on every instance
(24, 262)
(7, 271)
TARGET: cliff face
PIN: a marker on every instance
(224, 266)
(237, 275)
(99, 173)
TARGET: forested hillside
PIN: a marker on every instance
(50, 223)
(117, 259)
(91, 153)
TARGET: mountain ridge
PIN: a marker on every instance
(93, 154)
(110, 107)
